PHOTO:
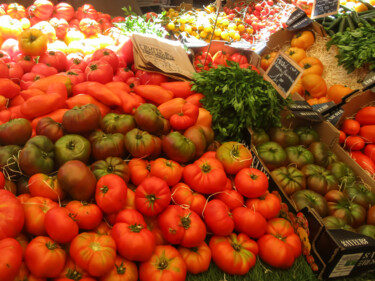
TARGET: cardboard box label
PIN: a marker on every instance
(283, 74)
(303, 110)
(322, 8)
(345, 265)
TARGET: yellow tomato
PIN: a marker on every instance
(217, 31)
(241, 28)
(203, 34)
(170, 26)
(208, 29)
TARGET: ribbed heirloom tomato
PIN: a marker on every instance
(218, 218)
(11, 213)
(197, 259)
(32, 42)
(251, 182)
(183, 195)
(10, 258)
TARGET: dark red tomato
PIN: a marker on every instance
(44, 69)
(218, 218)
(60, 225)
(110, 194)
(182, 226)
(10, 258)
(250, 222)
(231, 198)
(152, 196)
(56, 59)
(268, 205)
(280, 246)
(251, 182)
(26, 62)
(234, 254)
(87, 215)
(106, 55)
(99, 71)
(15, 72)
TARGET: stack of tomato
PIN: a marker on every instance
(357, 135)
(312, 175)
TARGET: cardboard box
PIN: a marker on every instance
(337, 253)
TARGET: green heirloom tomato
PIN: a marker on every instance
(111, 165)
(342, 207)
(82, 119)
(37, 156)
(284, 136)
(304, 198)
(290, 179)
(360, 194)
(72, 147)
(139, 144)
(77, 180)
(332, 222)
(343, 173)
(178, 148)
(319, 179)
(306, 135)
(148, 118)
(272, 154)
(9, 161)
(322, 154)
(368, 230)
(104, 145)
(299, 155)
(15, 131)
(117, 123)
(259, 136)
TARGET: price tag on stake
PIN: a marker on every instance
(323, 8)
(283, 74)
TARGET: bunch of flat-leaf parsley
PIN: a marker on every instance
(238, 98)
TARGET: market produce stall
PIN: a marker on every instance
(194, 144)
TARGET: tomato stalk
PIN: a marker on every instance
(185, 221)
(163, 263)
(136, 228)
(206, 168)
(236, 247)
(104, 189)
(120, 268)
(74, 275)
(52, 246)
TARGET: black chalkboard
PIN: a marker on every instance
(283, 73)
(322, 8)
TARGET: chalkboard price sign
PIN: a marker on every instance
(323, 8)
(283, 74)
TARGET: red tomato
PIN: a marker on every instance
(60, 225)
(182, 226)
(15, 72)
(370, 151)
(134, 241)
(250, 222)
(184, 196)
(123, 270)
(139, 169)
(205, 175)
(76, 76)
(11, 213)
(2, 180)
(44, 69)
(168, 170)
(166, 264)
(268, 205)
(124, 73)
(152, 196)
(26, 62)
(371, 216)
(99, 71)
(106, 55)
(280, 246)
(197, 259)
(94, 253)
(133, 82)
(110, 194)
(153, 226)
(4, 71)
(234, 254)
(61, 27)
(251, 182)
(44, 258)
(4, 56)
(76, 61)
(151, 78)
(64, 11)
(364, 161)
(42, 9)
(354, 143)
(342, 137)
(186, 118)
(45, 186)
(86, 11)
(72, 270)
(10, 258)
(28, 79)
(130, 216)
(56, 59)
(87, 215)
(35, 210)
(350, 127)
(231, 198)
(218, 218)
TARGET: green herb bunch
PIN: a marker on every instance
(356, 47)
(238, 98)
(140, 24)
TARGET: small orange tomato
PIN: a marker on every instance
(267, 60)
(304, 39)
(296, 54)
(337, 92)
(315, 85)
(342, 137)
(311, 65)
(351, 127)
